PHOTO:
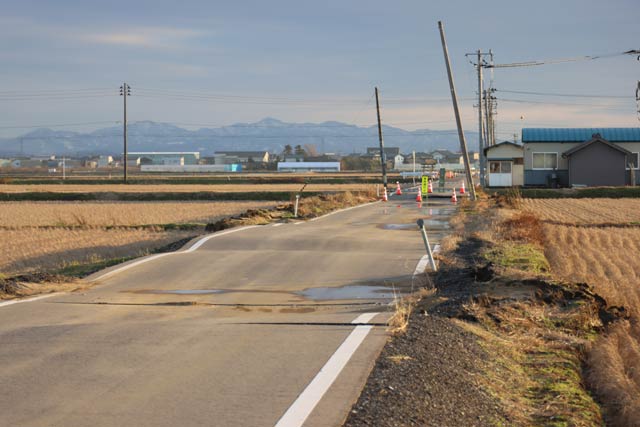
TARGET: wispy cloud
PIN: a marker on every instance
(147, 37)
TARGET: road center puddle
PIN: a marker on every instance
(179, 291)
(349, 292)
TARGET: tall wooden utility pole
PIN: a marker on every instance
(125, 91)
(456, 110)
(383, 157)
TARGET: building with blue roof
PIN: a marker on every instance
(580, 156)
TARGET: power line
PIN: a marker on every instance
(558, 61)
(571, 95)
(58, 125)
(601, 106)
(187, 136)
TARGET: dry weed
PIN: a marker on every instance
(595, 241)
(180, 188)
(26, 250)
(103, 214)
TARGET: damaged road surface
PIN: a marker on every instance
(258, 326)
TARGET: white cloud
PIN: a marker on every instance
(147, 37)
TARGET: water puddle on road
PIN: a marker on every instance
(413, 226)
(179, 291)
(431, 224)
(349, 292)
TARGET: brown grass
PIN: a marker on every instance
(29, 250)
(179, 188)
(585, 211)
(89, 232)
(102, 214)
(597, 242)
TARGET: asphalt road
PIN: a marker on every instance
(232, 331)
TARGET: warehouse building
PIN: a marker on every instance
(165, 158)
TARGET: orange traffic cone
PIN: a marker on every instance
(398, 190)
(430, 188)
(419, 196)
(384, 195)
(462, 188)
(454, 198)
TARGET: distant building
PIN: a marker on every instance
(580, 156)
(104, 161)
(228, 157)
(389, 152)
(165, 158)
(308, 166)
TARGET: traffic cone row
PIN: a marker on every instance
(454, 198)
(398, 190)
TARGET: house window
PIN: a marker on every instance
(633, 159)
(499, 167)
(545, 160)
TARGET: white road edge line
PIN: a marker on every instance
(190, 250)
(278, 224)
(424, 261)
(422, 265)
(300, 410)
(19, 301)
(343, 210)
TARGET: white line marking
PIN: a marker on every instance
(278, 224)
(422, 265)
(19, 301)
(154, 257)
(424, 261)
(342, 210)
(298, 223)
(213, 236)
(300, 410)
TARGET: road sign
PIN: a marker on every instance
(425, 184)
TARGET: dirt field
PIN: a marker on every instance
(38, 236)
(597, 241)
(179, 188)
(102, 214)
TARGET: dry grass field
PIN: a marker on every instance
(31, 250)
(180, 188)
(597, 241)
(585, 211)
(40, 236)
(103, 214)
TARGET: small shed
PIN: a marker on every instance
(597, 162)
(505, 163)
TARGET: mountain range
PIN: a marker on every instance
(268, 134)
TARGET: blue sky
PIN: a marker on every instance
(304, 61)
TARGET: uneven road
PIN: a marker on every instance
(247, 327)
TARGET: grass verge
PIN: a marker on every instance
(537, 331)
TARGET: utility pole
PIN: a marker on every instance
(125, 91)
(456, 110)
(480, 123)
(383, 157)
